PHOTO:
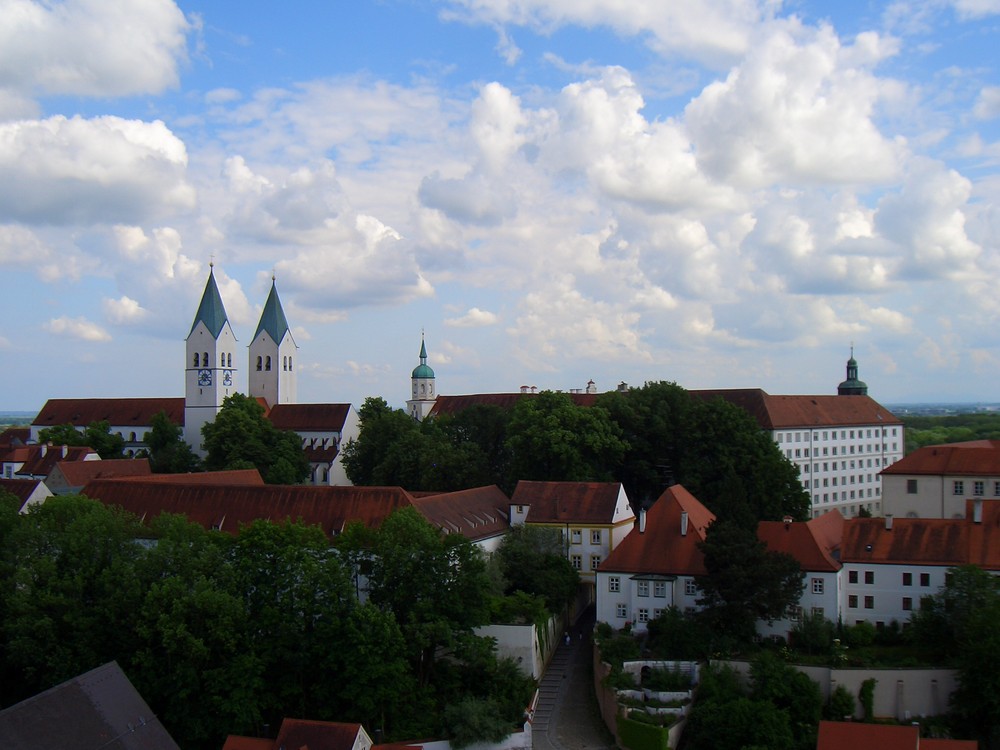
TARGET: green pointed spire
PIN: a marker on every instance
(422, 370)
(211, 311)
(272, 319)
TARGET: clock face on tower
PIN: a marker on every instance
(227, 377)
(204, 377)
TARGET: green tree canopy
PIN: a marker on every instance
(97, 435)
(746, 582)
(552, 439)
(168, 452)
(533, 561)
(241, 437)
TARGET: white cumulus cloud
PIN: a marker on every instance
(77, 328)
(474, 318)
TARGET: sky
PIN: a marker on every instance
(722, 194)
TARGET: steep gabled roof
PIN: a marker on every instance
(973, 458)
(227, 507)
(119, 412)
(14, 436)
(789, 412)
(100, 708)
(78, 473)
(309, 417)
(22, 489)
(926, 541)
(812, 544)
(662, 549)
(272, 318)
(476, 514)
(456, 404)
(211, 311)
(568, 502)
(40, 460)
(320, 735)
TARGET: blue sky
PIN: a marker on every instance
(721, 194)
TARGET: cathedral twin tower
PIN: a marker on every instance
(210, 374)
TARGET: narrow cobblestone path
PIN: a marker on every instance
(567, 716)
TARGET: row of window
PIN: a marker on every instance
(641, 614)
(576, 536)
(577, 562)
(659, 587)
(854, 495)
(844, 465)
(798, 437)
(264, 363)
(852, 577)
(849, 450)
(869, 602)
(958, 487)
(225, 359)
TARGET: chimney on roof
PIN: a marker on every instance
(45, 449)
(684, 523)
(787, 520)
(65, 450)
(977, 511)
(642, 521)
(622, 387)
(525, 389)
(888, 522)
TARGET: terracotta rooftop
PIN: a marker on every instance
(78, 473)
(227, 507)
(14, 436)
(662, 549)
(300, 734)
(120, 412)
(837, 735)
(568, 502)
(40, 460)
(455, 404)
(813, 543)
(477, 514)
(926, 541)
(785, 412)
(20, 488)
(309, 417)
(973, 458)
(228, 477)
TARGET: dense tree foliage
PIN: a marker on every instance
(551, 438)
(960, 624)
(746, 582)
(532, 560)
(223, 634)
(647, 438)
(241, 438)
(168, 452)
(922, 431)
(97, 435)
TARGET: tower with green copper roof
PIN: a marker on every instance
(422, 393)
(272, 355)
(852, 386)
(210, 368)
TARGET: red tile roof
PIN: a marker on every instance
(309, 417)
(78, 473)
(317, 735)
(477, 514)
(235, 742)
(926, 541)
(20, 488)
(837, 735)
(812, 543)
(227, 507)
(14, 436)
(455, 404)
(568, 502)
(661, 549)
(785, 412)
(230, 477)
(973, 458)
(40, 460)
(120, 412)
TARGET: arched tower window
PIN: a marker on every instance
(260, 363)
(289, 364)
(229, 360)
(284, 364)
(267, 364)
(222, 360)
(196, 359)
(204, 359)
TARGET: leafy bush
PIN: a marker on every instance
(860, 635)
(813, 634)
(666, 680)
(475, 720)
(841, 704)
